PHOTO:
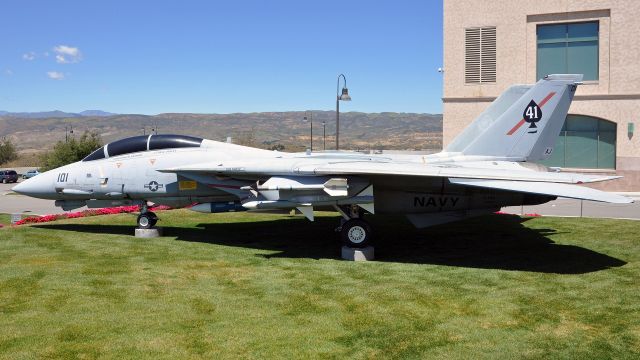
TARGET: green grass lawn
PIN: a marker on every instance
(5, 219)
(273, 286)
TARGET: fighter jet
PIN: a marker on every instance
(491, 164)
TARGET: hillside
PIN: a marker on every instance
(357, 130)
(54, 114)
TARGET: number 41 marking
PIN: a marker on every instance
(532, 112)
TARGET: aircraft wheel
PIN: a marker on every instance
(146, 220)
(4, 181)
(356, 233)
(154, 218)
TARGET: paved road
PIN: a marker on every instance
(13, 203)
(562, 207)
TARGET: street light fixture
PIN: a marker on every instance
(340, 97)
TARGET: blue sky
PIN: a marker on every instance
(152, 57)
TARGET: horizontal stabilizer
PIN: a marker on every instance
(545, 188)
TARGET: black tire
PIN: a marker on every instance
(154, 218)
(356, 233)
(145, 221)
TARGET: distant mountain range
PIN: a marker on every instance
(387, 130)
(54, 114)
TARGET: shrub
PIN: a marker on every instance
(7, 151)
(72, 150)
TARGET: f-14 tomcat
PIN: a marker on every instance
(491, 164)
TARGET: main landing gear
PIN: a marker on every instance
(147, 219)
(354, 231)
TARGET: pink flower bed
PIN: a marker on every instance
(86, 213)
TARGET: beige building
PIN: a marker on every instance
(490, 45)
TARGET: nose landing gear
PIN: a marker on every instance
(147, 219)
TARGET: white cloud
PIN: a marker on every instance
(55, 75)
(29, 56)
(8, 72)
(67, 54)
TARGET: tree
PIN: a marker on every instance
(73, 150)
(7, 151)
(277, 147)
(247, 138)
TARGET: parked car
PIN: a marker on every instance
(8, 176)
(29, 174)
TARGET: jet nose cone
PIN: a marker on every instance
(20, 188)
(39, 186)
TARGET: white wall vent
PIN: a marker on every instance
(480, 55)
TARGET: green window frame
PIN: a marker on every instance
(568, 49)
(585, 142)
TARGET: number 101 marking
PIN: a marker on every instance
(63, 177)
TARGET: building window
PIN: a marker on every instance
(585, 142)
(480, 55)
(568, 49)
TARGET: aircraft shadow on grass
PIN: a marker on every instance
(489, 242)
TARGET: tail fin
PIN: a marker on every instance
(522, 124)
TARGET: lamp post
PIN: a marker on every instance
(67, 130)
(344, 97)
(310, 117)
(324, 135)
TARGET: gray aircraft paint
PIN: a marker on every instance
(482, 170)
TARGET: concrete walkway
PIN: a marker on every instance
(580, 208)
(11, 203)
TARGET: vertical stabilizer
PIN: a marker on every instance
(523, 123)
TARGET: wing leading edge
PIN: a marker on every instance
(366, 168)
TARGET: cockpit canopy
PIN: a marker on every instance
(143, 143)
